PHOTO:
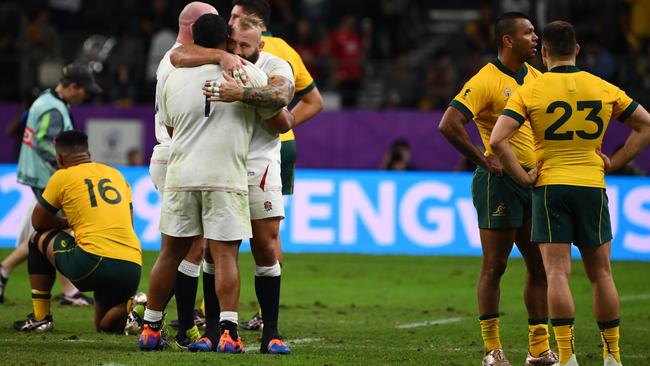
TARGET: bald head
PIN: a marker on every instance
(190, 13)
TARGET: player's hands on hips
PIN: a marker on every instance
(494, 165)
(533, 174)
(230, 90)
(234, 65)
(608, 162)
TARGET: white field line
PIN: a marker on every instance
(428, 323)
(83, 340)
(635, 297)
(304, 340)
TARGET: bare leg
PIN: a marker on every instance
(224, 255)
(111, 320)
(18, 256)
(557, 263)
(163, 273)
(605, 301)
(535, 288)
(496, 245)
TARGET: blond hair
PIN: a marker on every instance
(248, 22)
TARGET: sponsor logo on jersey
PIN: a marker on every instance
(268, 206)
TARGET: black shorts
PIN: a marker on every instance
(113, 281)
(288, 166)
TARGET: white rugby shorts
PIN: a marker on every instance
(216, 215)
(265, 204)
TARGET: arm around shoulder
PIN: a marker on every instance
(191, 55)
(283, 121)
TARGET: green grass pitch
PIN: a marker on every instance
(348, 310)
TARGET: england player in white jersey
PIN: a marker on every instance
(205, 185)
(188, 271)
(264, 181)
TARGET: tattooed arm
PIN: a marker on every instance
(275, 95)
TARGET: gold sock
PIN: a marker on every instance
(41, 304)
(490, 333)
(564, 338)
(538, 337)
(610, 338)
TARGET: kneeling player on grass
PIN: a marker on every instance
(104, 256)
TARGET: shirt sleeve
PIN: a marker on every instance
(623, 106)
(161, 112)
(280, 67)
(51, 198)
(472, 99)
(516, 108)
(48, 127)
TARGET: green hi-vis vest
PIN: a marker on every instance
(47, 118)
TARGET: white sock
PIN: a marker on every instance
(208, 268)
(152, 316)
(230, 316)
(189, 269)
(3, 272)
(272, 271)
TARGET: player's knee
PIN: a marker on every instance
(37, 262)
(196, 252)
(270, 271)
(600, 275)
(264, 253)
(495, 268)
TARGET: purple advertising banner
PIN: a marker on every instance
(331, 140)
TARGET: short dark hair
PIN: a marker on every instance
(73, 140)
(505, 24)
(559, 39)
(260, 8)
(209, 30)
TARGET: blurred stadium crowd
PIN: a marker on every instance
(369, 54)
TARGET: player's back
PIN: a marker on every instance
(210, 140)
(569, 111)
(96, 200)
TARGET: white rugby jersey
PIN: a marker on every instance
(165, 68)
(209, 146)
(264, 149)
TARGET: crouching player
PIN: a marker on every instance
(104, 256)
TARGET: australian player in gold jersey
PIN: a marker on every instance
(569, 111)
(104, 256)
(502, 205)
